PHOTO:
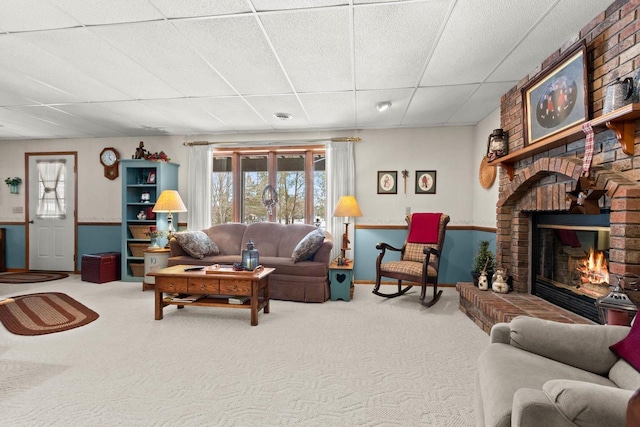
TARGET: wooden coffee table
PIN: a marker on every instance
(217, 284)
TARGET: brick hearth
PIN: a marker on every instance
(486, 308)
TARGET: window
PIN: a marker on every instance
(278, 185)
(51, 201)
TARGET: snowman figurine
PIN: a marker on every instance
(499, 283)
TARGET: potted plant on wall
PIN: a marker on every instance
(484, 261)
(13, 184)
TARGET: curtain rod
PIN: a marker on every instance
(343, 139)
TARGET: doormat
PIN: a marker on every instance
(31, 277)
(44, 313)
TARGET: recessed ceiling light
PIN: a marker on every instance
(383, 106)
(282, 116)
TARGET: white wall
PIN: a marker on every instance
(454, 152)
(484, 200)
(447, 150)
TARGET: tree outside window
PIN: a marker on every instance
(299, 179)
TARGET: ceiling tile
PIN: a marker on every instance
(191, 8)
(314, 47)
(265, 5)
(164, 52)
(94, 12)
(476, 38)
(76, 125)
(392, 42)
(267, 106)
(86, 51)
(234, 112)
(330, 110)
(564, 21)
(434, 105)
(368, 114)
(29, 15)
(238, 50)
(481, 103)
(44, 78)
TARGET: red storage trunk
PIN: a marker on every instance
(101, 268)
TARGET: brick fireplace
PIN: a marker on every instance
(539, 182)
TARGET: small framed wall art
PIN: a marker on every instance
(425, 182)
(387, 182)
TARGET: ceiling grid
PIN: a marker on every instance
(116, 68)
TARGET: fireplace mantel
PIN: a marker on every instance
(621, 121)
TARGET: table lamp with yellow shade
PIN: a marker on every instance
(169, 202)
(347, 207)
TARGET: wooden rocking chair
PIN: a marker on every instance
(419, 257)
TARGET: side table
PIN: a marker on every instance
(154, 260)
(341, 281)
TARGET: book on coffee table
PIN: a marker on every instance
(238, 300)
(186, 298)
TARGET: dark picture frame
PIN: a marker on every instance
(425, 182)
(387, 182)
(558, 98)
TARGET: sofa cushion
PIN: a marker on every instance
(624, 375)
(561, 342)
(228, 237)
(587, 404)
(197, 244)
(629, 347)
(308, 246)
(286, 266)
(503, 369)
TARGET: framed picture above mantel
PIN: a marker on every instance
(557, 99)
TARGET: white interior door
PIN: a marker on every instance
(51, 207)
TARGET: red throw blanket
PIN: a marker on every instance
(424, 228)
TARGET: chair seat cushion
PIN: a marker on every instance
(411, 268)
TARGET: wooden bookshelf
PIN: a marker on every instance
(621, 121)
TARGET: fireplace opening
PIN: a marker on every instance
(570, 257)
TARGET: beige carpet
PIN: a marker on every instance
(368, 362)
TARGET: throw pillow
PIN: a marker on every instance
(197, 244)
(629, 348)
(308, 246)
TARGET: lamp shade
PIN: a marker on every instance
(169, 201)
(347, 206)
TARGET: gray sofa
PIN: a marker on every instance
(542, 373)
(305, 281)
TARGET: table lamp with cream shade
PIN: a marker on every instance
(169, 202)
(347, 207)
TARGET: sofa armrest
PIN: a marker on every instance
(532, 408)
(587, 404)
(500, 333)
(582, 346)
(175, 248)
(323, 254)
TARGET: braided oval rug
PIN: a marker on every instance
(43, 313)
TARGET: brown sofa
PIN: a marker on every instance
(304, 281)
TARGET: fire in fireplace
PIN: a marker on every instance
(593, 269)
(570, 258)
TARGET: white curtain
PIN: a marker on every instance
(51, 199)
(199, 188)
(341, 181)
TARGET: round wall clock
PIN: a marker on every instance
(109, 159)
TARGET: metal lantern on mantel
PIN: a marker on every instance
(616, 308)
(250, 257)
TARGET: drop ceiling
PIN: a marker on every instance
(112, 68)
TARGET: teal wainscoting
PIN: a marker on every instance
(93, 239)
(457, 259)
(15, 245)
